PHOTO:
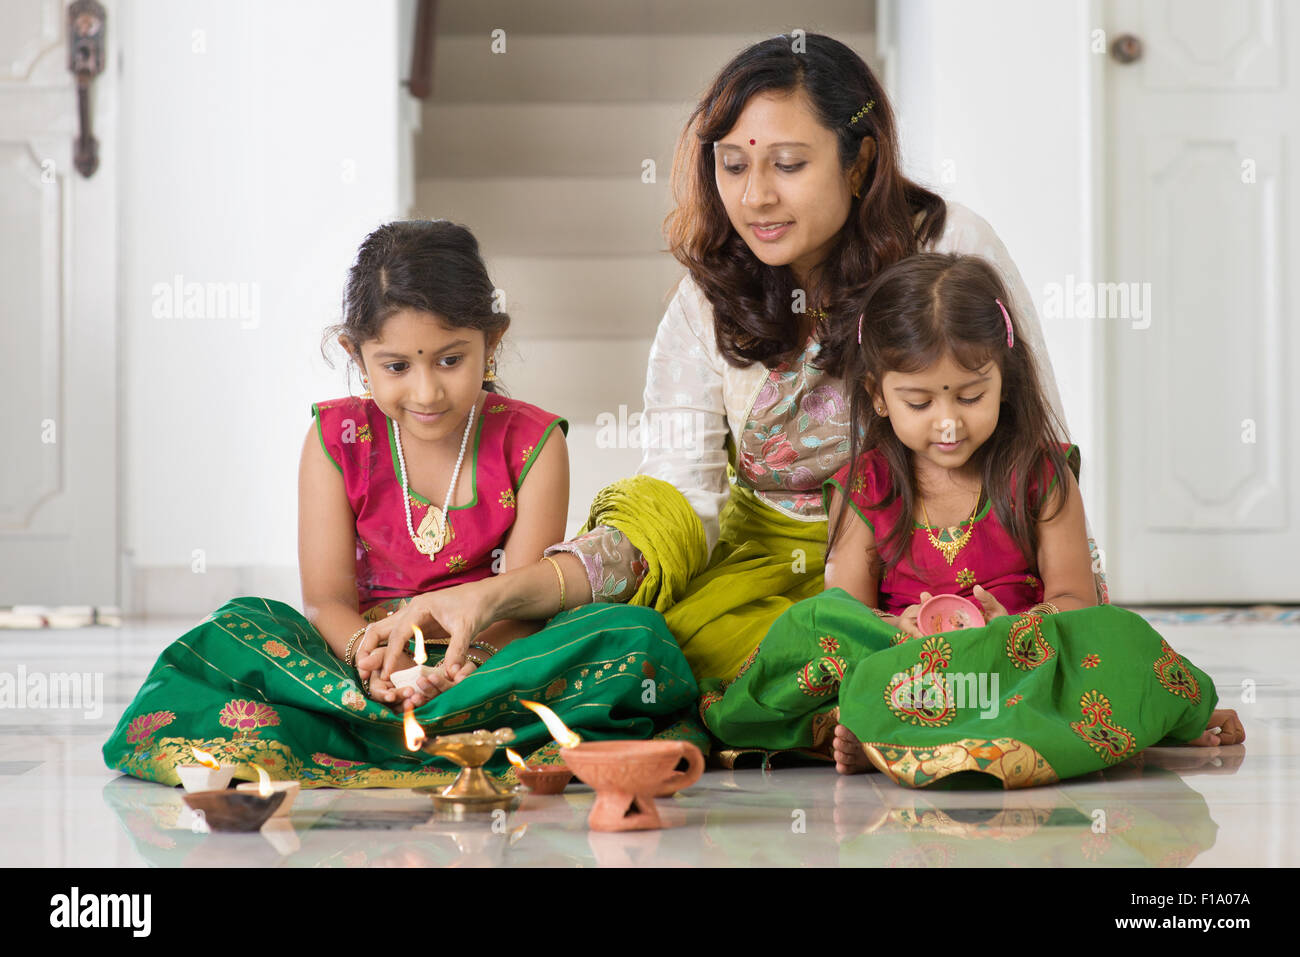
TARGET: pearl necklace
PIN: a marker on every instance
(425, 543)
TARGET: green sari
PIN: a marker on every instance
(255, 683)
(1027, 699)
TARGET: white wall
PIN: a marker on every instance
(994, 102)
(260, 143)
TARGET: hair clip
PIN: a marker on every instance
(1011, 339)
(862, 112)
(860, 315)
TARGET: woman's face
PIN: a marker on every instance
(780, 166)
(421, 365)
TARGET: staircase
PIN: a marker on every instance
(542, 150)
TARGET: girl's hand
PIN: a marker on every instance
(381, 688)
(909, 620)
(430, 686)
(1231, 730)
(991, 607)
(458, 614)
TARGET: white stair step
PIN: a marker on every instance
(593, 464)
(593, 68)
(548, 139)
(651, 16)
(579, 380)
(614, 297)
(552, 216)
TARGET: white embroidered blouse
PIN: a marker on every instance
(789, 423)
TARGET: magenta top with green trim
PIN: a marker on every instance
(990, 558)
(358, 438)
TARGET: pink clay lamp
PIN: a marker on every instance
(627, 775)
(539, 778)
(948, 613)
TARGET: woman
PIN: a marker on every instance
(790, 199)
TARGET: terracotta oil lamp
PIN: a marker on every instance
(627, 775)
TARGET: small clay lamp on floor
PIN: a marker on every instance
(232, 810)
(539, 778)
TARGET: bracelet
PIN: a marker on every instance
(1045, 608)
(558, 574)
(475, 658)
(484, 646)
(347, 654)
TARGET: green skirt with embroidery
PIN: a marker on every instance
(255, 683)
(1028, 699)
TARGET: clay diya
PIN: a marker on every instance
(290, 789)
(234, 810)
(948, 613)
(540, 779)
(629, 775)
(207, 775)
(409, 677)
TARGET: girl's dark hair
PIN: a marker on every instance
(751, 301)
(916, 312)
(430, 265)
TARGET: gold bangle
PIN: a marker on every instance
(1045, 608)
(347, 652)
(475, 658)
(558, 574)
(484, 646)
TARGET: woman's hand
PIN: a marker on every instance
(990, 606)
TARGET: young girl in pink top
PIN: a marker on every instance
(965, 488)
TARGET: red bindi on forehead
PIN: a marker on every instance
(751, 142)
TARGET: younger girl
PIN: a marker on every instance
(965, 488)
(429, 479)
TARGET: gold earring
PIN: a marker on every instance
(491, 374)
(366, 384)
(857, 191)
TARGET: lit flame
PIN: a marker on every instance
(420, 656)
(516, 760)
(414, 733)
(263, 782)
(563, 736)
(205, 759)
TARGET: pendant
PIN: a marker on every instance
(949, 549)
(432, 534)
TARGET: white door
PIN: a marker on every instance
(58, 294)
(1201, 131)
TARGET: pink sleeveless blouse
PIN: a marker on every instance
(358, 438)
(990, 559)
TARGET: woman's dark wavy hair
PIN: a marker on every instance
(752, 301)
(916, 312)
(430, 265)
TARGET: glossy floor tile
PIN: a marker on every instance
(59, 805)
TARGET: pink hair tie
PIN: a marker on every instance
(1011, 339)
(860, 315)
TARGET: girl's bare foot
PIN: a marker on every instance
(1230, 730)
(850, 758)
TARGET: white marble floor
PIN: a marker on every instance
(1238, 806)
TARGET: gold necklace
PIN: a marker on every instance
(950, 549)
